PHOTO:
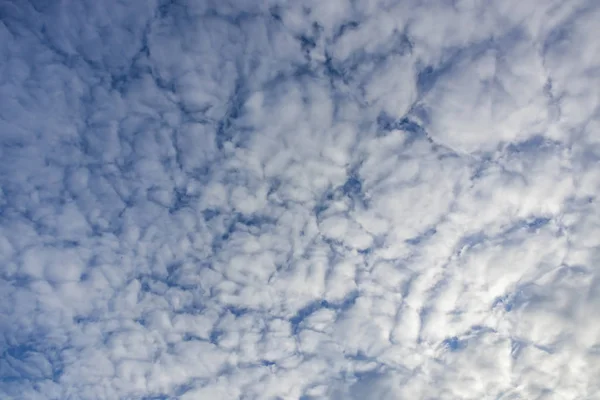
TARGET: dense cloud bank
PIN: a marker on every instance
(299, 200)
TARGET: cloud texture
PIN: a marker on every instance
(299, 199)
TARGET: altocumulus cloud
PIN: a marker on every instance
(299, 200)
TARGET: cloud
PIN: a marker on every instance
(299, 200)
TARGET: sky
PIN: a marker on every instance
(299, 200)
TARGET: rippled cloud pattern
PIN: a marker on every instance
(299, 200)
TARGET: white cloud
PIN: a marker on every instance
(299, 200)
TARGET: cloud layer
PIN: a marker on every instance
(299, 200)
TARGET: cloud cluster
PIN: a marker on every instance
(299, 200)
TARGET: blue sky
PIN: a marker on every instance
(299, 199)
